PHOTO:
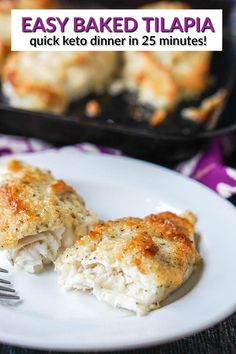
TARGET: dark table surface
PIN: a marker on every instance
(221, 339)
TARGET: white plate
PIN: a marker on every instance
(49, 318)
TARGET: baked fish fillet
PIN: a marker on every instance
(39, 215)
(163, 79)
(132, 263)
(48, 81)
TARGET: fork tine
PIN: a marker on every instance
(3, 270)
(4, 288)
(8, 296)
(3, 281)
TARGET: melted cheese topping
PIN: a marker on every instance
(163, 79)
(32, 202)
(58, 80)
(131, 262)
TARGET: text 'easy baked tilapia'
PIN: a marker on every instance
(39, 216)
(132, 263)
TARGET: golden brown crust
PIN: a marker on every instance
(7, 5)
(93, 109)
(192, 72)
(153, 81)
(60, 187)
(160, 244)
(144, 243)
(207, 107)
(5, 49)
(163, 79)
(169, 225)
(36, 4)
(59, 79)
(14, 165)
(158, 117)
(165, 5)
(5, 36)
(52, 98)
(32, 201)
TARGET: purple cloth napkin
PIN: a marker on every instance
(206, 167)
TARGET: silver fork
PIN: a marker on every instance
(6, 292)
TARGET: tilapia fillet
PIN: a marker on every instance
(162, 79)
(58, 80)
(132, 263)
(39, 215)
